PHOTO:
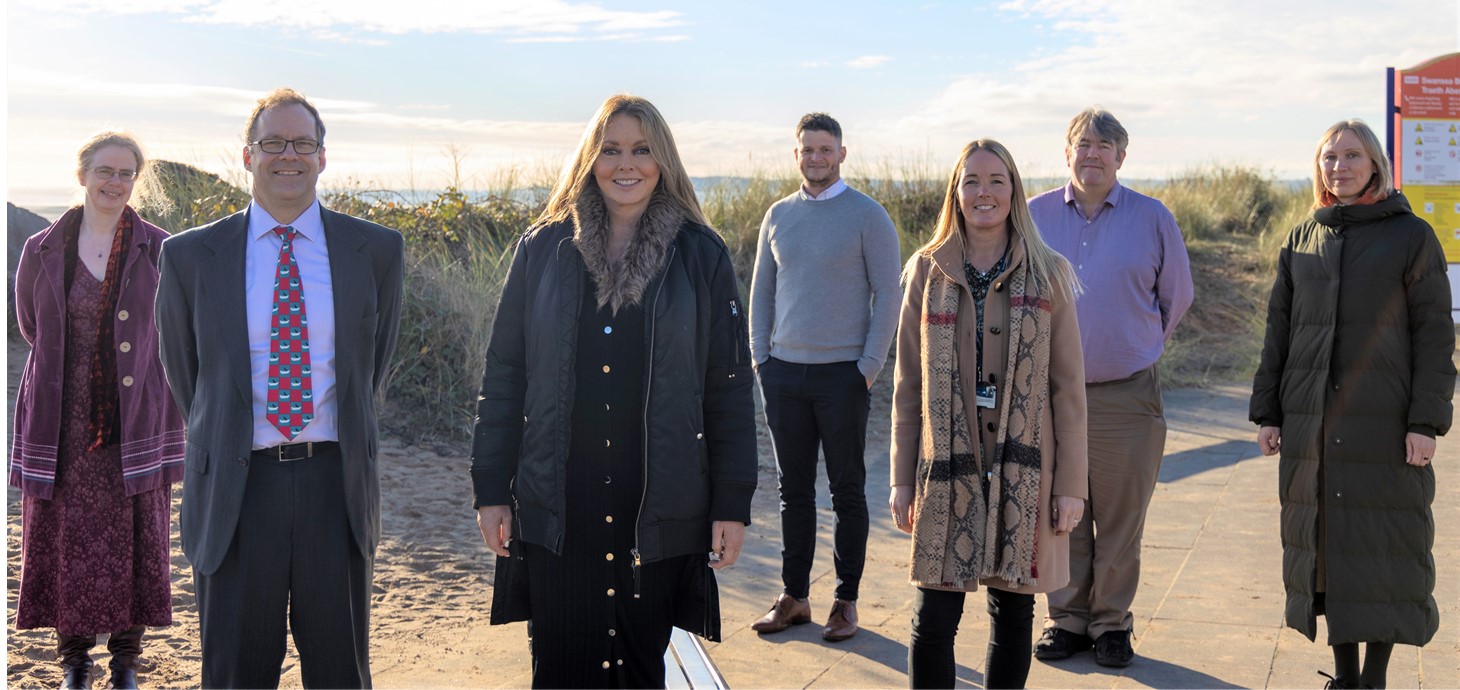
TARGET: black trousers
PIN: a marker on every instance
(936, 614)
(293, 565)
(825, 405)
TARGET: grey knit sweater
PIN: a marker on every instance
(825, 287)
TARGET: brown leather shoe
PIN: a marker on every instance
(786, 612)
(842, 623)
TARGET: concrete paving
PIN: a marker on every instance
(1209, 611)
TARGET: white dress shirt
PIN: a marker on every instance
(836, 188)
(260, 265)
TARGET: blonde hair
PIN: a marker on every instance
(146, 189)
(577, 172)
(1046, 264)
(1372, 148)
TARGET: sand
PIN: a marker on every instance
(429, 623)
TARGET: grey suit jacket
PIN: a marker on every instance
(203, 325)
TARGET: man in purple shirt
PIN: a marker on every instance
(1129, 256)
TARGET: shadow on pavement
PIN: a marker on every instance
(1156, 673)
(1145, 672)
(1178, 466)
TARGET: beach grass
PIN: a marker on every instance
(459, 245)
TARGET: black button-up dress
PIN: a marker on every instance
(593, 625)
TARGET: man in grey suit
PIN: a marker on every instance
(277, 324)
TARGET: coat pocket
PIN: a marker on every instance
(195, 458)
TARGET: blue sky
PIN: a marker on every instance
(509, 85)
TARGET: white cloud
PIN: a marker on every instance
(335, 20)
(604, 38)
(27, 83)
(370, 143)
(1179, 72)
(868, 61)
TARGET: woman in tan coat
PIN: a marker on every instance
(988, 420)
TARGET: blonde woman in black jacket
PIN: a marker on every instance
(614, 448)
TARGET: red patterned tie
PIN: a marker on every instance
(291, 400)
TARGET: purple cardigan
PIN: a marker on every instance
(151, 427)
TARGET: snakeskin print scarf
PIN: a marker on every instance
(971, 524)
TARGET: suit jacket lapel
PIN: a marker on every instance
(229, 244)
(349, 269)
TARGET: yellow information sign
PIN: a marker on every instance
(1440, 205)
(1426, 106)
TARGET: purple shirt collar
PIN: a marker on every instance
(1113, 198)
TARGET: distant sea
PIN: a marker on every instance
(46, 203)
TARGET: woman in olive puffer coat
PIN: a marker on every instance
(1355, 381)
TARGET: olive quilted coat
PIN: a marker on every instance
(1357, 354)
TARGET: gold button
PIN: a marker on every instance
(608, 518)
(127, 381)
(123, 315)
(608, 556)
(620, 662)
(605, 369)
(610, 591)
(605, 665)
(125, 347)
(607, 443)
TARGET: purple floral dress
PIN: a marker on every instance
(93, 560)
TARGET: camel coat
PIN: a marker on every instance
(1063, 446)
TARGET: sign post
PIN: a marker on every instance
(1424, 147)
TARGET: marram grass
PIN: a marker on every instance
(459, 243)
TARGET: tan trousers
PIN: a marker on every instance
(1127, 439)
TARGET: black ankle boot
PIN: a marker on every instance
(1338, 682)
(78, 676)
(123, 678)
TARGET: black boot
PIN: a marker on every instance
(125, 647)
(77, 677)
(123, 679)
(75, 653)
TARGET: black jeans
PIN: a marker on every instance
(936, 614)
(806, 406)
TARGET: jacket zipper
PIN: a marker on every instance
(644, 422)
(739, 328)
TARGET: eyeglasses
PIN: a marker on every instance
(108, 173)
(303, 147)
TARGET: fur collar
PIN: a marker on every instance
(623, 284)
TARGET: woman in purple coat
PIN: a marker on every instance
(98, 441)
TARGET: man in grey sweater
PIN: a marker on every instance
(823, 313)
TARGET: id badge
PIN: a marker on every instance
(986, 395)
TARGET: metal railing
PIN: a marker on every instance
(687, 664)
